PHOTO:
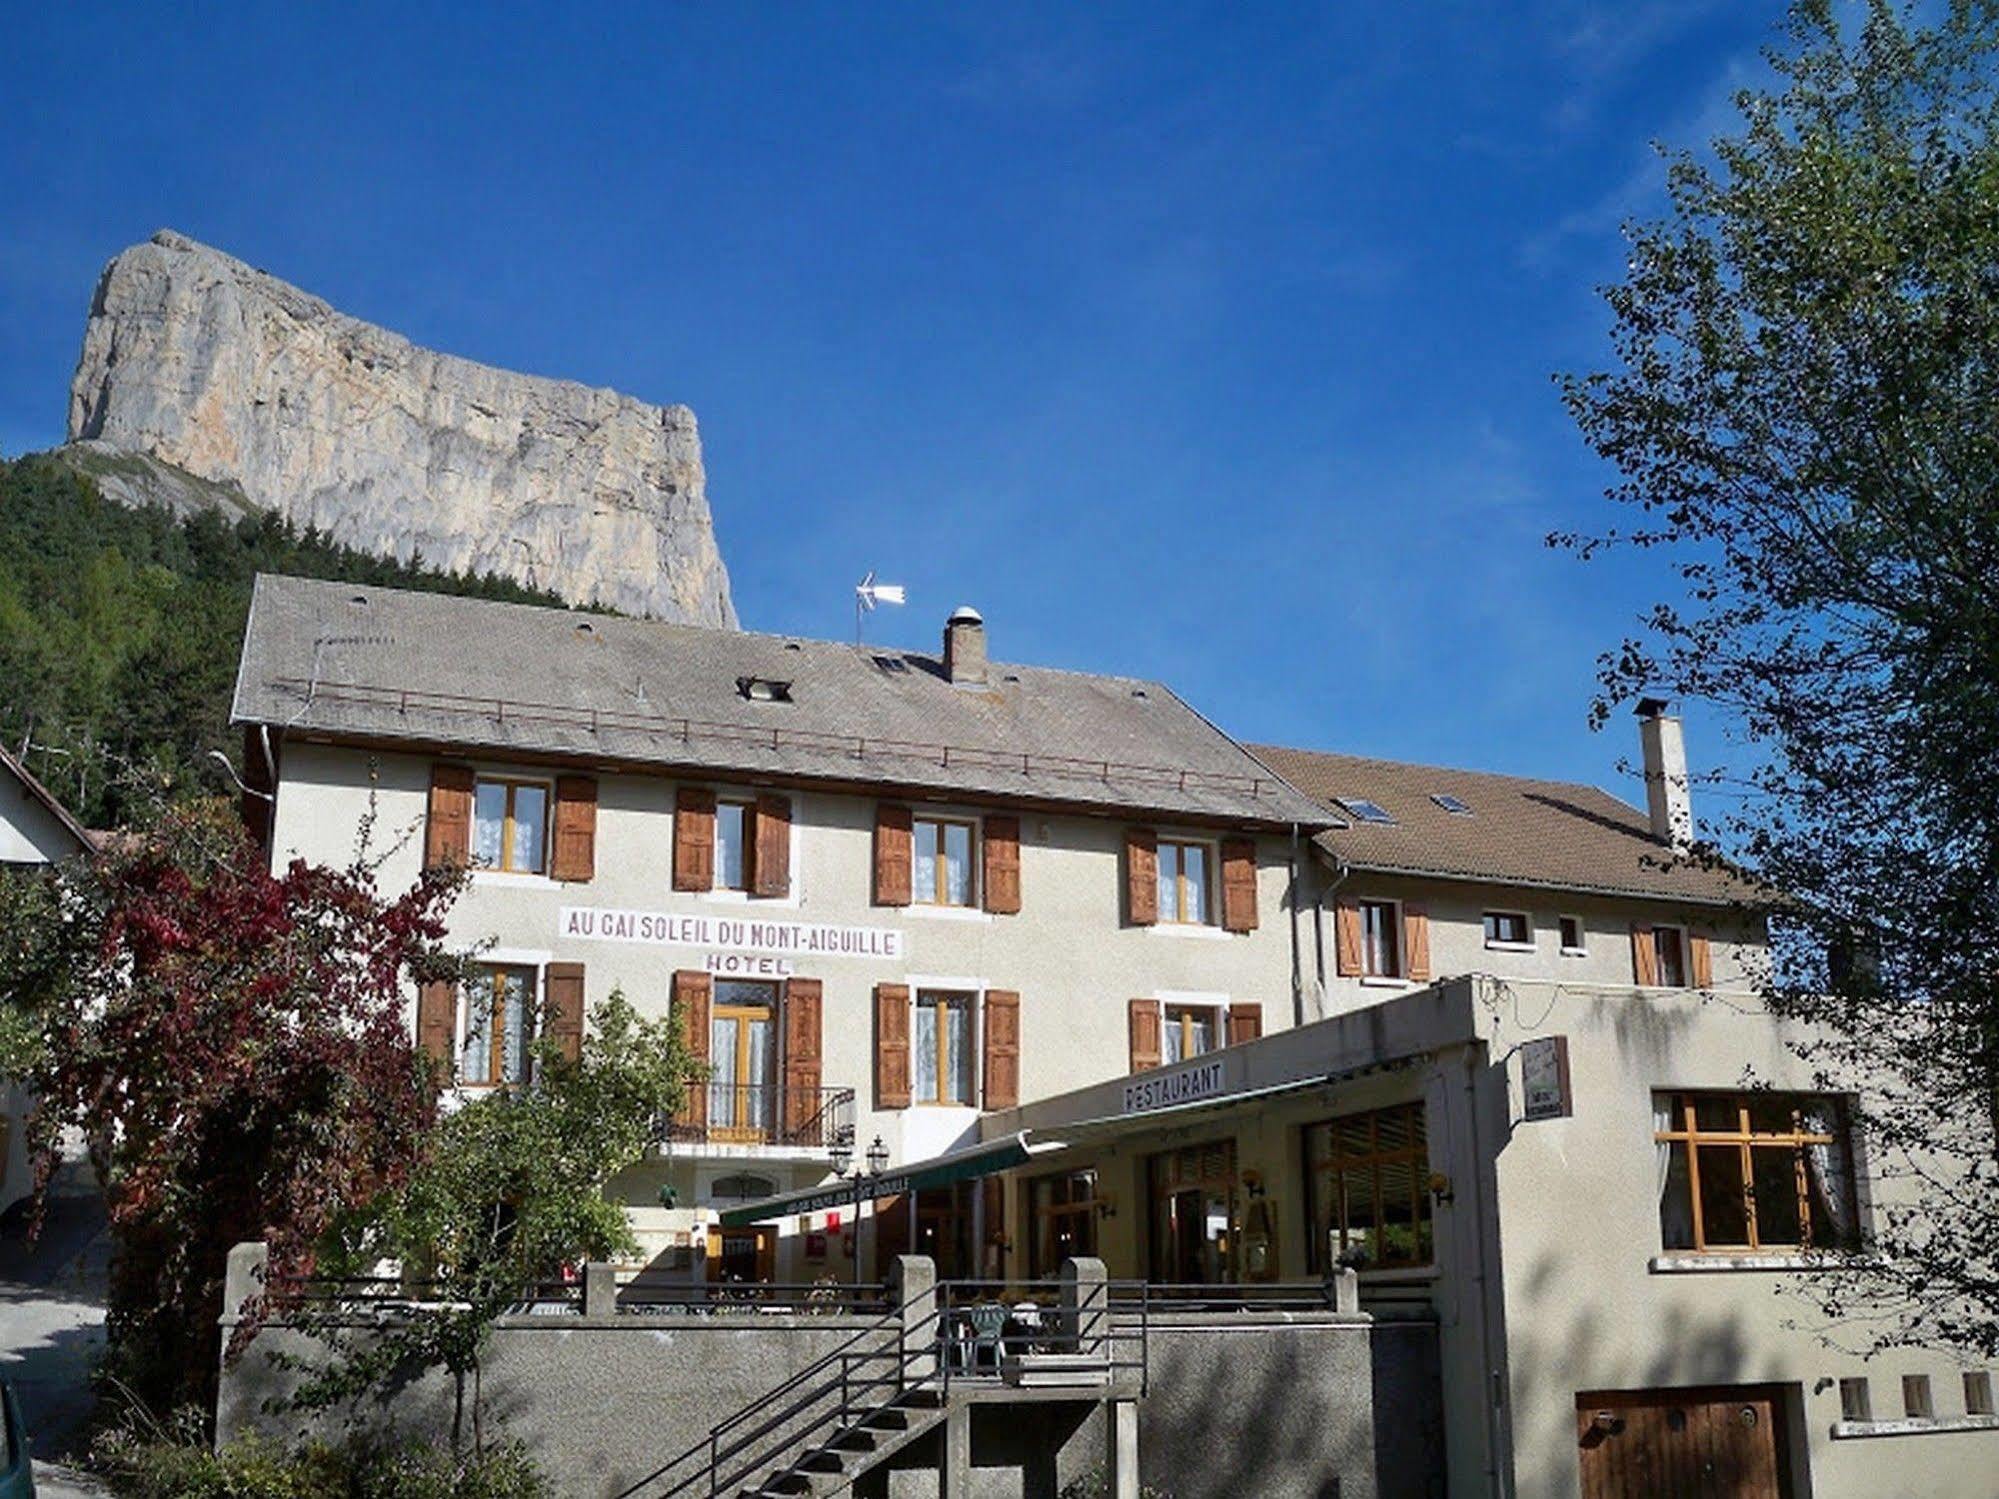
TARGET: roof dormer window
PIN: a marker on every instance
(763, 690)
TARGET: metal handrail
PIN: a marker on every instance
(596, 720)
(769, 1106)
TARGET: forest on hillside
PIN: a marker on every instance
(120, 629)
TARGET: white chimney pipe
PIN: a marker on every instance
(1666, 793)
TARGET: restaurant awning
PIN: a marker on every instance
(939, 1171)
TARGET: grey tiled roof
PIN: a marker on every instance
(1554, 834)
(383, 664)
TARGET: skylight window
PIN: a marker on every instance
(893, 666)
(764, 689)
(1455, 805)
(1364, 810)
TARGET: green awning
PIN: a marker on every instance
(938, 1171)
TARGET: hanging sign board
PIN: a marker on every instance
(743, 934)
(1544, 1078)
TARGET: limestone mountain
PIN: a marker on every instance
(205, 383)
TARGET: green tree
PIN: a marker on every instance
(511, 1196)
(1801, 413)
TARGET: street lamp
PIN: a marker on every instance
(842, 1154)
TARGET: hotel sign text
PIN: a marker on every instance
(738, 933)
(1164, 1090)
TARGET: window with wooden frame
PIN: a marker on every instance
(1380, 939)
(1367, 1180)
(1741, 1172)
(941, 1049)
(497, 1026)
(734, 825)
(1575, 938)
(510, 825)
(1977, 1392)
(943, 851)
(1183, 882)
(1061, 1220)
(1507, 929)
(1189, 1030)
(742, 1060)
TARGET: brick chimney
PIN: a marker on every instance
(1666, 793)
(965, 647)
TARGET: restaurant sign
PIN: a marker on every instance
(1167, 1090)
(741, 934)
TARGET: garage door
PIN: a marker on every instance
(1707, 1443)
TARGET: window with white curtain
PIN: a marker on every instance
(1749, 1171)
(940, 1046)
(1190, 1030)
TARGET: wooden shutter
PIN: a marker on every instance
(803, 1028)
(447, 840)
(1002, 865)
(1700, 960)
(1416, 941)
(1141, 876)
(1644, 955)
(894, 854)
(693, 839)
(437, 1019)
(1001, 1083)
(892, 1046)
(574, 856)
(770, 861)
(1347, 938)
(1239, 884)
(1146, 1019)
(691, 990)
(1245, 1023)
(564, 998)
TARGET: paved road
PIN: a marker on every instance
(52, 1310)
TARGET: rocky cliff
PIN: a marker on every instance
(266, 396)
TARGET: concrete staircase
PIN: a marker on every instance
(837, 1464)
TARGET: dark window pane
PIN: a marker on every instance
(1724, 1206)
(1773, 1113)
(1717, 1111)
(1776, 1170)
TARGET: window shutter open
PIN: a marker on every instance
(447, 840)
(574, 856)
(1644, 955)
(770, 864)
(1245, 1023)
(690, 1002)
(1002, 865)
(894, 854)
(1416, 941)
(1700, 960)
(803, 1028)
(1239, 884)
(437, 1019)
(564, 996)
(693, 839)
(892, 1046)
(1346, 938)
(1146, 1020)
(1141, 876)
(1001, 1088)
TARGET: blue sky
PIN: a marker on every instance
(1205, 343)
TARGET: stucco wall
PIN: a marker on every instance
(1073, 961)
(1584, 1307)
(1284, 1407)
(29, 832)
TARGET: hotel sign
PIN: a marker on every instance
(1165, 1090)
(743, 934)
(1544, 1078)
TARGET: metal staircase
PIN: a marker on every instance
(898, 1380)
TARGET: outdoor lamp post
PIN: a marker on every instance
(876, 1160)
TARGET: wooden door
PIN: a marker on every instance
(1707, 1443)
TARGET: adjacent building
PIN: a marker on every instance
(36, 830)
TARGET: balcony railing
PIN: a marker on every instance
(765, 1114)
